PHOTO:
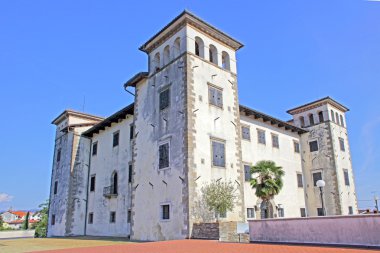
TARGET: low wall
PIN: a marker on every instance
(354, 230)
(208, 231)
(16, 234)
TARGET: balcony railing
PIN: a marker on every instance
(109, 192)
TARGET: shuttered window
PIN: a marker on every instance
(250, 213)
(163, 151)
(218, 154)
(275, 142)
(261, 136)
(247, 173)
(341, 144)
(296, 147)
(299, 180)
(245, 132)
(165, 212)
(215, 96)
(346, 178)
(164, 99)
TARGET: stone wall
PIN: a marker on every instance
(228, 233)
(208, 231)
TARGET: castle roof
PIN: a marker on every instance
(70, 112)
(322, 101)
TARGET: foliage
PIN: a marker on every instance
(25, 224)
(1, 222)
(219, 196)
(41, 226)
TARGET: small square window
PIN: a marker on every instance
(92, 183)
(112, 217)
(341, 144)
(245, 132)
(90, 218)
(115, 139)
(218, 154)
(129, 216)
(95, 148)
(316, 176)
(275, 142)
(299, 180)
(164, 99)
(163, 153)
(261, 137)
(165, 212)
(58, 155)
(313, 146)
(303, 212)
(53, 220)
(247, 173)
(130, 173)
(215, 96)
(346, 177)
(296, 147)
(55, 187)
(250, 213)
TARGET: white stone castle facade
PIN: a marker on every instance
(138, 173)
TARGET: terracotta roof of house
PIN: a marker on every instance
(19, 213)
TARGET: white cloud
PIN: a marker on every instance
(5, 197)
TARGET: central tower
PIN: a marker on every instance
(187, 112)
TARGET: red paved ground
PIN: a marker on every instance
(197, 246)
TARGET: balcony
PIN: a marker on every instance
(110, 192)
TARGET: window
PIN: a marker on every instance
(332, 115)
(215, 96)
(225, 60)
(337, 118)
(341, 121)
(247, 173)
(166, 55)
(156, 62)
(275, 143)
(316, 176)
(90, 218)
(281, 212)
(95, 148)
(221, 215)
(320, 212)
(261, 136)
(213, 54)
(303, 212)
(92, 183)
(53, 220)
(299, 180)
(165, 212)
(55, 187)
(131, 132)
(350, 210)
(164, 99)
(311, 119)
(177, 47)
(302, 121)
(296, 146)
(115, 139)
(199, 47)
(114, 183)
(341, 144)
(112, 217)
(218, 154)
(313, 146)
(59, 155)
(320, 116)
(130, 173)
(250, 213)
(163, 155)
(245, 132)
(129, 216)
(346, 178)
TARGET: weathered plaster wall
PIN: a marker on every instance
(111, 159)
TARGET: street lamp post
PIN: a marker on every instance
(321, 184)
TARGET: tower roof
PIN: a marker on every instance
(69, 112)
(319, 102)
(183, 19)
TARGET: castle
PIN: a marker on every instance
(138, 173)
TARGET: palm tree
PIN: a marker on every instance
(267, 180)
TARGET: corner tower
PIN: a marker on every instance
(187, 112)
(326, 155)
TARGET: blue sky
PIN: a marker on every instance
(53, 54)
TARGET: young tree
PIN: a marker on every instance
(25, 225)
(41, 226)
(267, 180)
(1, 222)
(219, 196)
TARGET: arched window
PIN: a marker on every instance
(199, 47)
(341, 120)
(302, 121)
(166, 55)
(337, 118)
(332, 116)
(156, 62)
(213, 54)
(177, 47)
(114, 183)
(311, 119)
(320, 116)
(225, 60)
